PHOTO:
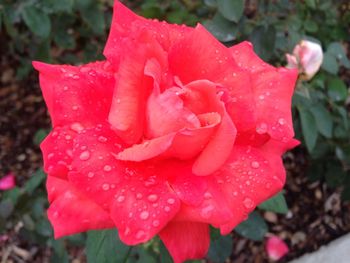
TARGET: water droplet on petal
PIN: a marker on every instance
(140, 234)
(171, 201)
(105, 187)
(261, 128)
(50, 156)
(144, 215)
(77, 127)
(107, 168)
(90, 174)
(156, 223)
(85, 155)
(102, 139)
(282, 121)
(248, 203)
(120, 198)
(166, 208)
(138, 195)
(207, 211)
(255, 165)
(152, 198)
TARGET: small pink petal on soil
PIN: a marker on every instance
(7, 182)
(276, 248)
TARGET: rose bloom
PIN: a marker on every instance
(173, 132)
(307, 57)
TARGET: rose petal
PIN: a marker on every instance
(7, 182)
(186, 240)
(126, 24)
(70, 212)
(57, 150)
(248, 178)
(166, 113)
(76, 94)
(276, 248)
(142, 207)
(139, 199)
(272, 88)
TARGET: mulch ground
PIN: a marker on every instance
(316, 217)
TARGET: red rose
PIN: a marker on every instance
(172, 133)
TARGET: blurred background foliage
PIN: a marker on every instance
(74, 31)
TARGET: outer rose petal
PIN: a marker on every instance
(125, 24)
(70, 212)
(248, 178)
(138, 199)
(57, 149)
(76, 94)
(186, 240)
(272, 88)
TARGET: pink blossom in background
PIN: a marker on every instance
(307, 57)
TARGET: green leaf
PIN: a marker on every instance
(59, 254)
(310, 26)
(231, 9)
(323, 119)
(264, 39)
(223, 29)
(330, 64)
(253, 228)
(164, 254)
(275, 204)
(34, 182)
(93, 15)
(104, 246)
(338, 51)
(337, 89)
(37, 21)
(39, 136)
(311, 3)
(58, 6)
(309, 128)
(220, 249)
(6, 208)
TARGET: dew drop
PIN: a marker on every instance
(144, 215)
(156, 223)
(75, 107)
(207, 211)
(50, 156)
(138, 195)
(105, 187)
(65, 88)
(166, 208)
(120, 198)
(282, 121)
(107, 168)
(102, 139)
(140, 234)
(152, 198)
(90, 174)
(77, 127)
(248, 203)
(261, 128)
(255, 165)
(85, 155)
(171, 201)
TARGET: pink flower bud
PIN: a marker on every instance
(7, 182)
(276, 248)
(307, 57)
